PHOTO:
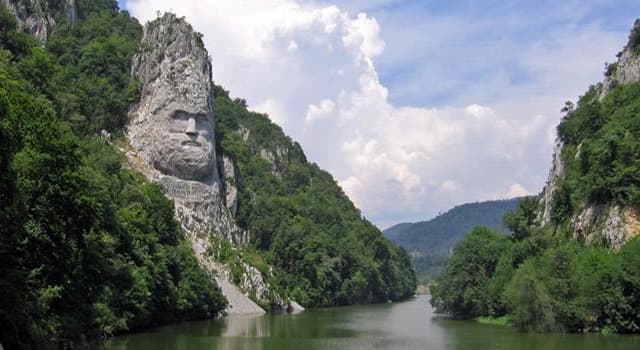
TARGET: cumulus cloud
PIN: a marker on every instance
(324, 110)
(312, 68)
(516, 190)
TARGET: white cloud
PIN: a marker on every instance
(324, 110)
(516, 190)
(363, 33)
(273, 109)
(312, 68)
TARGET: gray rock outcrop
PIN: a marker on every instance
(230, 187)
(277, 158)
(172, 128)
(612, 225)
(607, 223)
(294, 308)
(35, 17)
(172, 135)
(239, 304)
(555, 174)
(626, 70)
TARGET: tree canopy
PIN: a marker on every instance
(89, 249)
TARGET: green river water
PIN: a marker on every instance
(408, 325)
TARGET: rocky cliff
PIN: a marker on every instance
(611, 222)
(627, 69)
(555, 174)
(36, 18)
(172, 135)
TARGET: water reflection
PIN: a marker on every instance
(409, 325)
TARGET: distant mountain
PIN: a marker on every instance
(429, 242)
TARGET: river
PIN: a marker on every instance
(408, 325)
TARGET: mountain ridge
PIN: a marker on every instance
(429, 242)
(571, 264)
(106, 232)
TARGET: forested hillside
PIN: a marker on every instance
(300, 220)
(88, 248)
(580, 270)
(430, 242)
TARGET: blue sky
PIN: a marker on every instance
(413, 106)
(485, 34)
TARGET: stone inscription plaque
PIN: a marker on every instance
(183, 190)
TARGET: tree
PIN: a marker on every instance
(463, 289)
(528, 302)
(522, 221)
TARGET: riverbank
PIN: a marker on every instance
(495, 321)
(409, 325)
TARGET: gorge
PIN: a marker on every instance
(571, 263)
(137, 193)
(142, 205)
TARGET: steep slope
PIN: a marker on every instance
(171, 133)
(573, 261)
(593, 188)
(38, 17)
(323, 252)
(91, 248)
(294, 233)
(393, 231)
(88, 248)
(430, 242)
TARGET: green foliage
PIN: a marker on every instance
(522, 221)
(528, 301)
(634, 37)
(93, 87)
(602, 151)
(88, 248)
(16, 43)
(322, 250)
(542, 282)
(430, 242)
(463, 289)
(610, 69)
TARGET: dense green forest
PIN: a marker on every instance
(322, 250)
(542, 282)
(88, 248)
(542, 279)
(430, 242)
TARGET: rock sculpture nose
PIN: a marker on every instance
(191, 127)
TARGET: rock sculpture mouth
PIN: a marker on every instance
(191, 143)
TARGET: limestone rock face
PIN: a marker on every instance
(230, 179)
(35, 18)
(607, 223)
(276, 159)
(294, 308)
(627, 69)
(32, 17)
(172, 128)
(172, 135)
(555, 174)
(612, 225)
(173, 125)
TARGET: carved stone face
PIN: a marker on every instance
(181, 144)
